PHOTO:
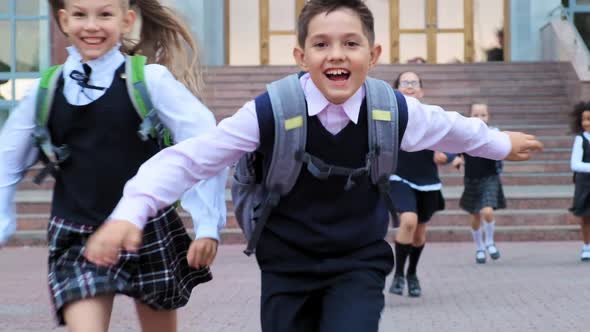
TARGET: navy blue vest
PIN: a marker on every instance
(105, 152)
(318, 217)
(477, 167)
(418, 167)
(585, 149)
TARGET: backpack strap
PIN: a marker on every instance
(383, 113)
(50, 155)
(151, 126)
(290, 134)
(289, 110)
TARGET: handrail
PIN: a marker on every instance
(561, 41)
(563, 12)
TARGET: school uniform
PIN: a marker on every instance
(416, 186)
(483, 187)
(99, 125)
(580, 164)
(322, 253)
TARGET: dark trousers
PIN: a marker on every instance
(350, 301)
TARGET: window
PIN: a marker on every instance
(24, 34)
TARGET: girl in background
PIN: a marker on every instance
(416, 191)
(482, 194)
(580, 163)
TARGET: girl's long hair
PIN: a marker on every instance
(164, 39)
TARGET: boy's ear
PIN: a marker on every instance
(375, 54)
(129, 21)
(62, 16)
(299, 56)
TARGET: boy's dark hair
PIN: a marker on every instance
(315, 7)
(397, 80)
(576, 116)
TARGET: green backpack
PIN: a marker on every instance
(150, 128)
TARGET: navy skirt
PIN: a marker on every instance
(158, 275)
(423, 203)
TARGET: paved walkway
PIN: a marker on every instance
(534, 287)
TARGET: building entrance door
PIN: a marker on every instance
(437, 31)
(278, 30)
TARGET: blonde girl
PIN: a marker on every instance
(94, 117)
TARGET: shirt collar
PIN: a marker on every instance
(316, 102)
(103, 66)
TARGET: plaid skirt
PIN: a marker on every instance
(158, 275)
(482, 192)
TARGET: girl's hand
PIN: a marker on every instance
(202, 252)
(440, 158)
(522, 146)
(104, 245)
(458, 162)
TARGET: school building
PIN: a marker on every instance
(528, 59)
(262, 32)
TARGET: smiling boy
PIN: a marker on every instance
(322, 253)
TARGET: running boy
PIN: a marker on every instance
(322, 252)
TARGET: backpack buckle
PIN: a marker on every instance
(148, 125)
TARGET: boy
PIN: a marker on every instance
(322, 253)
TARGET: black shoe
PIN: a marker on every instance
(414, 289)
(398, 284)
(493, 251)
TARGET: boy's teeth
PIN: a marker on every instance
(336, 72)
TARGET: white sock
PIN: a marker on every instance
(477, 238)
(488, 228)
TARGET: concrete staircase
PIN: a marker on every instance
(529, 97)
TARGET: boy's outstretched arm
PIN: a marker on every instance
(162, 179)
(430, 127)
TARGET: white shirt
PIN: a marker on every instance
(178, 110)
(428, 127)
(576, 162)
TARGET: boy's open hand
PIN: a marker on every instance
(202, 252)
(102, 248)
(522, 146)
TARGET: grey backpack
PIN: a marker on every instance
(255, 195)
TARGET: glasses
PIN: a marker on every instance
(409, 84)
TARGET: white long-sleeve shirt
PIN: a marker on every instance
(165, 176)
(178, 109)
(576, 161)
